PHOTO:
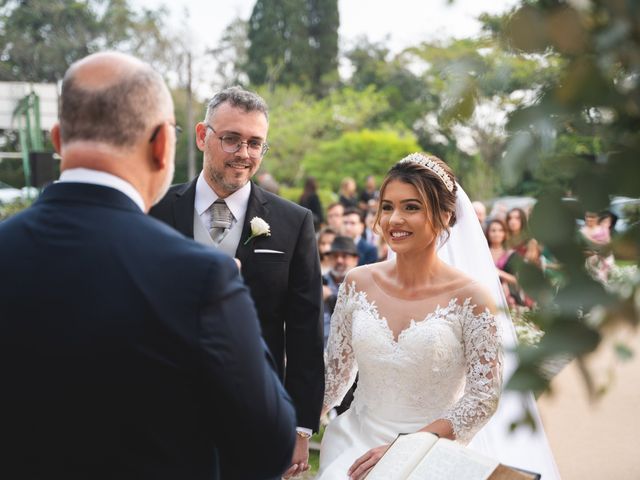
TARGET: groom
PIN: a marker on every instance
(280, 266)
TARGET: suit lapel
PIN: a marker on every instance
(257, 207)
(183, 208)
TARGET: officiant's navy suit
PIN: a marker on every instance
(117, 342)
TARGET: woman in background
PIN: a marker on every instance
(310, 199)
(348, 194)
(496, 234)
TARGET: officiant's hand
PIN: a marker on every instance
(300, 459)
(366, 462)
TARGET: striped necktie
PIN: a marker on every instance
(221, 218)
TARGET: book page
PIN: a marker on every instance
(402, 456)
(448, 460)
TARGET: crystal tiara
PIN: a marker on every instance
(431, 165)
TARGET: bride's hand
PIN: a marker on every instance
(363, 464)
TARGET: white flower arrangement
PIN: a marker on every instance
(528, 333)
(258, 228)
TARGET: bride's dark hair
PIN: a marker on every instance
(432, 185)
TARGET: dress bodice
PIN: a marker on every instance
(446, 364)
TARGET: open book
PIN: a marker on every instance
(422, 455)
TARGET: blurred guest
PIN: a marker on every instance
(353, 227)
(325, 239)
(593, 232)
(481, 212)
(370, 192)
(608, 220)
(348, 195)
(310, 199)
(525, 248)
(597, 235)
(496, 233)
(266, 181)
(335, 212)
(369, 220)
(516, 222)
(343, 256)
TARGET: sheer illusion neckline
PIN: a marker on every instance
(413, 323)
(381, 289)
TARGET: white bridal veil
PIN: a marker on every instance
(467, 250)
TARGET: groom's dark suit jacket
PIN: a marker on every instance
(286, 287)
(128, 351)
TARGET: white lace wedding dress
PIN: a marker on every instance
(445, 365)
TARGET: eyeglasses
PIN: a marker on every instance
(177, 128)
(231, 143)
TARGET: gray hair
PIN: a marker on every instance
(117, 115)
(240, 98)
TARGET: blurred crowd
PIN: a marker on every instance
(511, 244)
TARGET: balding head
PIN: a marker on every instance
(112, 98)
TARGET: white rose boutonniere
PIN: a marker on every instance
(258, 227)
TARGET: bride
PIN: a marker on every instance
(422, 334)
(410, 368)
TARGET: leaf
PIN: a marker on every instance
(592, 188)
(527, 379)
(527, 30)
(552, 221)
(582, 293)
(623, 352)
(570, 337)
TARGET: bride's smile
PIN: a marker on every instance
(404, 220)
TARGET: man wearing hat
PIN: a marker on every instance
(343, 256)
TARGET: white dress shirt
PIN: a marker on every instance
(237, 202)
(98, 177)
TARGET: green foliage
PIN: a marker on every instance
(405, 93)
(11, 172)
(230, 54)
(188, 134)
(327, 196)
(294, 42)
(357, 155)
(581, 136)
(8, 209)
(40, 39)
(299, 123)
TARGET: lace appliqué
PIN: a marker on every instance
(484, 358)
(424, 370)
(340, 362)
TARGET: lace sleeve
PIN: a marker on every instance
(340, 364)
(483, 354)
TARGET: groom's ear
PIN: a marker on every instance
(201, 133)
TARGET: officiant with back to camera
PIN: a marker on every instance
(126, 350)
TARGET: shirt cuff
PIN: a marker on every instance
(306, 431)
